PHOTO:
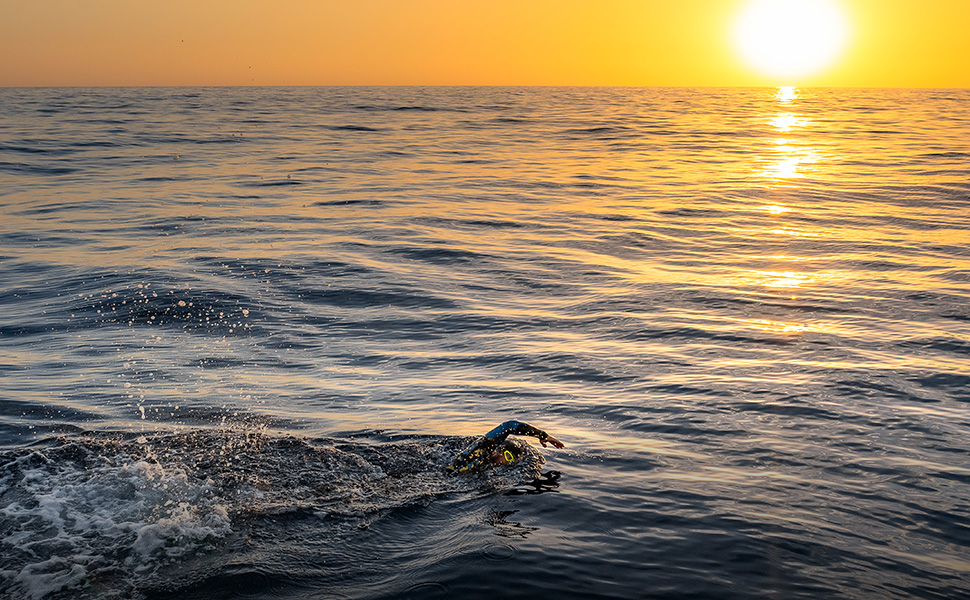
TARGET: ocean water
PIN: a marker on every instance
(242, 331)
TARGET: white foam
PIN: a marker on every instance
(42, 578)
(68, 522)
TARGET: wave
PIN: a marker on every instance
(399, 108)
(362, 128)
(107, 512)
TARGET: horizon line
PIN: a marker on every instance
(439, 85)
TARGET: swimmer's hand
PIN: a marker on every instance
(550, 440)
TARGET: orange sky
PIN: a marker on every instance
(892, 43)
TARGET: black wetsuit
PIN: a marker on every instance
(479, 456)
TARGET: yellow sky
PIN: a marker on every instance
(892, 43)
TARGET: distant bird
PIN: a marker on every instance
(175, 157)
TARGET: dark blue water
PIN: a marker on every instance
(242, 331)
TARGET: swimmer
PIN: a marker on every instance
(494, 450)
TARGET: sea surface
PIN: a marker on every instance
(244, 330)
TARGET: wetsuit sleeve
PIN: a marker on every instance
(508, 428)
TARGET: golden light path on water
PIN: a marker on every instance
(787, 163)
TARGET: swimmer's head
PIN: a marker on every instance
(506, 454)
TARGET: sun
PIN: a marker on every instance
(790, 38)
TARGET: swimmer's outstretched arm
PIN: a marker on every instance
(508, 428)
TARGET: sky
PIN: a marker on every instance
(887, 43)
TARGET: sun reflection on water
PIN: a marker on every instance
(787, 279)
(794, 232)
(781, 327)
(787, 161)
(789, 157)
(785, 168)
(786, 93)
(786, 122)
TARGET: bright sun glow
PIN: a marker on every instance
(790, 38)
